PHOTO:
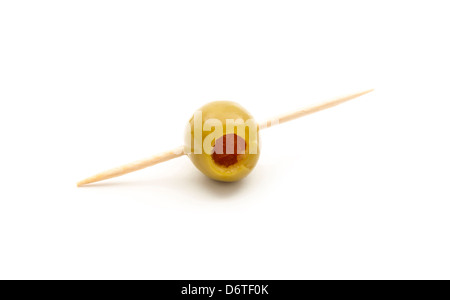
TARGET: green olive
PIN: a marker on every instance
(222, 140)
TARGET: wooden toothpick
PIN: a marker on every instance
(134, 166)
(179, 151)
(309, 110)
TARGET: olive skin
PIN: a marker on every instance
(227, 168)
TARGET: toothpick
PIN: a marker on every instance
(309, 110)
(179, 151)
(134, 166)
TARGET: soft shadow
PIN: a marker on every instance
(223, 190)
(196, 185)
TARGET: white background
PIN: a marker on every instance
(360, 191)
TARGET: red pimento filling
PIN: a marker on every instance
(228, 150)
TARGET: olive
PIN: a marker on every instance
(222, 140)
